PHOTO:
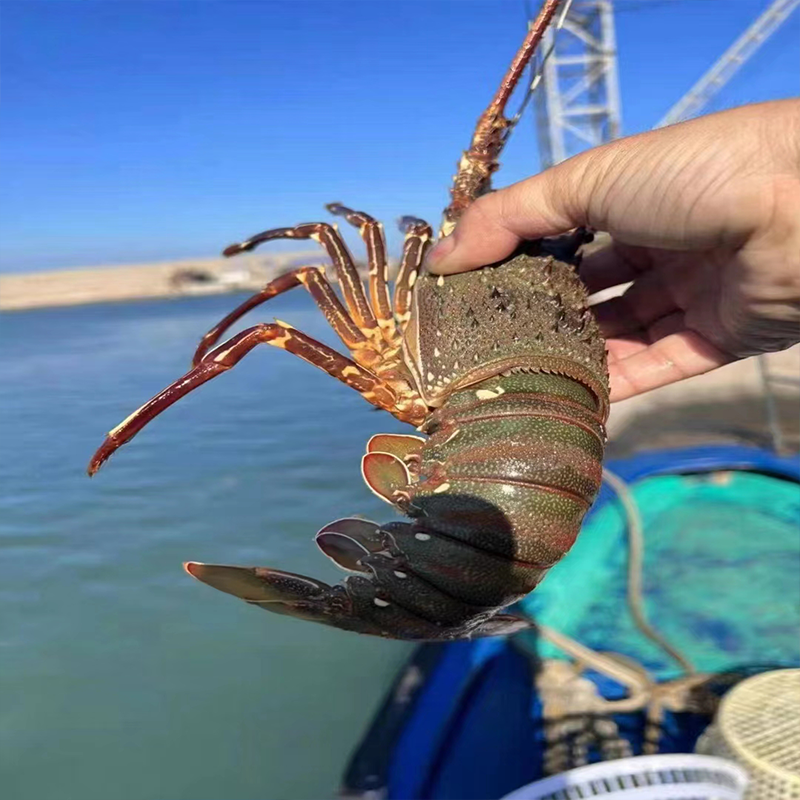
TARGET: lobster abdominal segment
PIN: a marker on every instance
(497, 495)
(516, 484)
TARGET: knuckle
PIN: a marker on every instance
(487, 211)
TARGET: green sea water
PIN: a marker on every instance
(120, 677)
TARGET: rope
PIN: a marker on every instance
(635, 570)
(638, 684)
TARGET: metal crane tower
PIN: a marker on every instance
(729, 62)
(578, 105)
(578, 102)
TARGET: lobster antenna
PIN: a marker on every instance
(477, 165)
(538, 73)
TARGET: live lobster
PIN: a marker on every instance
(504, 371)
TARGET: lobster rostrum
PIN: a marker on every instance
(504, 371)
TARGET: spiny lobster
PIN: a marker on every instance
(504, 370)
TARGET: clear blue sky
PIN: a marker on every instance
(162, 129)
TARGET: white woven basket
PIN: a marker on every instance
(758, 727)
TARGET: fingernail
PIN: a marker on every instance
(441, 250)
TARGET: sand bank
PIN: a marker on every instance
(144, 281)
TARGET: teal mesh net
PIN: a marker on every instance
(721, 575)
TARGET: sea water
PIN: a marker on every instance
(120, 676)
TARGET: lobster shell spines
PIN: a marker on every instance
(529, 312)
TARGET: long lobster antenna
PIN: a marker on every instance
(481, 160)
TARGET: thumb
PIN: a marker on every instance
(550, 203)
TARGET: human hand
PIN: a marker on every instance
(705, 221)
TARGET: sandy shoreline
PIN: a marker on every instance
(109, 284)
(70, 287)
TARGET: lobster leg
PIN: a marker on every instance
(329, 238)
(372, 233)
(419, 237)
(314, 281)
(227, 355)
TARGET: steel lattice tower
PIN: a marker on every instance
(578, 102)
